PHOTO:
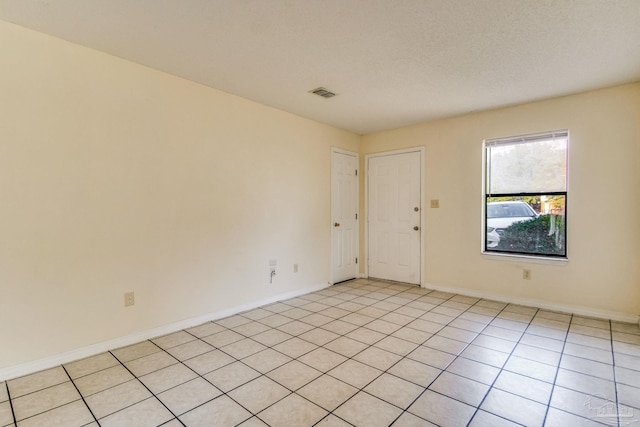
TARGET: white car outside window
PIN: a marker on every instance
(501, 215)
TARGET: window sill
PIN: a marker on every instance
(519, 257)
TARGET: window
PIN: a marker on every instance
(526, 195)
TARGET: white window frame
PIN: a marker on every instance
(515, 139)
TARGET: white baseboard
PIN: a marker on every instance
(565, 308)
(81, 353)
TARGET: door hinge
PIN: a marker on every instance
(356, 216)
(356, 172)
(356, 260)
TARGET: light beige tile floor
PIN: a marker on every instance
(364, 353)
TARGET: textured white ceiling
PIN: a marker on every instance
(391, 62)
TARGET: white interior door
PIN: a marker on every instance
(393, 214)
(344, 216)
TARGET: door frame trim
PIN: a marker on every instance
(334, 151)
(421, 150)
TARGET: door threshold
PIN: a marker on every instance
(393, 282)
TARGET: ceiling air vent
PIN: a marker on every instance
(323, 92)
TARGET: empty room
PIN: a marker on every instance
(319, 213)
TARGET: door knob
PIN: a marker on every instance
(416, 209)
(336, 224)
(416, 228)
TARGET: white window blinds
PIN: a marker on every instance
(534, 163)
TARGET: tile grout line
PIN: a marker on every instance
(347, 358)
(231, 356)
(209, 382)
(446, 366)
(361, 389)
(13, 413)
(433, 334)
(226, 393)
(454, 358)
(459, 354)
(322, 373)
(144, 385)
(42, 389)
(80, 394)
(562, 353)
(501, 369)
(571, 322)
(583, 373)
(615, 382)
(250, 367)
(555, 378)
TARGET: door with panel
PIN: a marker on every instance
(344, 216)
(393, 216)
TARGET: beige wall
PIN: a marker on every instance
(603, 272)
(116, 177)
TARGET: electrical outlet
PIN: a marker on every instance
(129, 299)
(526, 274)
(435, 203)
(295, 268)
